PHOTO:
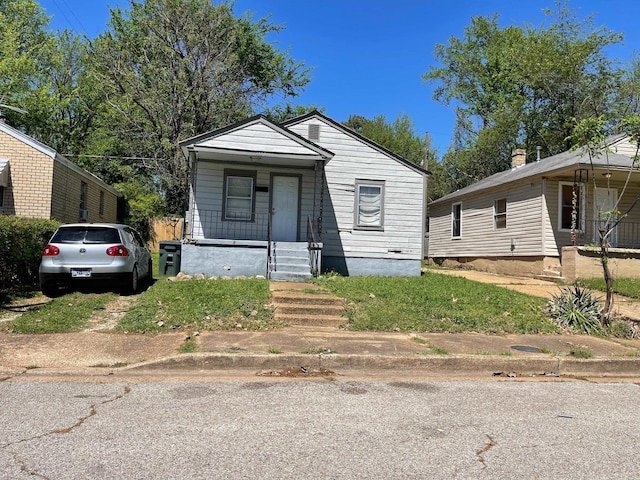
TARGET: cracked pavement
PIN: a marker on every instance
(318, 429)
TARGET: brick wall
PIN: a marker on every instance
(30, 172)
(40, 187)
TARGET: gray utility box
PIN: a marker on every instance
(170, 257)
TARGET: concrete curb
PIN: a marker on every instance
(449, 364)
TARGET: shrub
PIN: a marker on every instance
(576, 308)
(21, 244)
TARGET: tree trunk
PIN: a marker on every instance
(608, 279)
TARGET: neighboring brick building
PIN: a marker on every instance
(38, 182)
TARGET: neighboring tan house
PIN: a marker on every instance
(520, 221)
(38, 182)
(287, 201)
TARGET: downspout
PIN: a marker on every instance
(543, 211)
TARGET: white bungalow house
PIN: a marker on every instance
(288, 201)
(541, 218)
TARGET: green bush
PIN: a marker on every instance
(21, 244)
(576, 308)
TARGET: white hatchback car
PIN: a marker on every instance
(94, 252)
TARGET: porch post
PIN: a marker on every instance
(319, 169)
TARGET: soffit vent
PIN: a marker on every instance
(314, 132)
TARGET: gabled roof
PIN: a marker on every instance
(566, 161)
(276, 141)
(352, 133)
(51, 153)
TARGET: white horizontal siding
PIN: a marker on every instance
(626, 148)
(209, 190)
(404, 194)
(479, 237)
(259, 138)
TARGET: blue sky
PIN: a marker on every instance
(368, 56)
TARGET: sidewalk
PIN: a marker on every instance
(304, 348)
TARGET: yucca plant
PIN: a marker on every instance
(577, 308)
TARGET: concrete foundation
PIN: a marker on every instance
(231, 258)
(519, 266)
(584, 262)
(382, 267)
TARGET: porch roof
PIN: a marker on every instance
(256, 141)
(555, 165)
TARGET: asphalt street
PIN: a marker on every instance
(319, 429)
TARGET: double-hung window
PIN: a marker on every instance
(456, 220)
(500, 213)
(571, 197)
(239, 196)
(369, 207)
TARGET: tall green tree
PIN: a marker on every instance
(171, 69)
(24, 43)
(519, 87)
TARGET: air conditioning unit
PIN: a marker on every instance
(84, 215)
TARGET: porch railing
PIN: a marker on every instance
(626, 235)
(315, 246)
(236, 226)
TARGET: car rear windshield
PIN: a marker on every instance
(86, 235)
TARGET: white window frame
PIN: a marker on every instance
(458, 206)
(249, 175)
(498, 215)
(356, 221)
(581, 206)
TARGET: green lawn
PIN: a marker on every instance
(201, 305)
(437, 303)
(69, 313)
(629, 287)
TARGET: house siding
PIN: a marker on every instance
(479, 237)
(257, 135)
(404, 193)
(209, 191)
(625, 147)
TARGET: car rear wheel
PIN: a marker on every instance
(150, 272)
(50, 291)
(132, 284)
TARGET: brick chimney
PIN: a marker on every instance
(518, 157)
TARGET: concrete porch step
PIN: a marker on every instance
(310, 310)
(551, 277)
(306, 299)
(288, 276)
(311, 320)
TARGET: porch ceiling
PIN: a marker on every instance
(255, 157)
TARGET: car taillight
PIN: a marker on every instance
(118, 251)
(50, 251)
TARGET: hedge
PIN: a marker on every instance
(21, 243)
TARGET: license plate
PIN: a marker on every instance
(81, 273)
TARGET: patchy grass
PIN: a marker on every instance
(201, 305)
(318, 351)
(188, 346)
(69, 313)
(437, 303)
(629, 287)
(274, 350)
(580, 353)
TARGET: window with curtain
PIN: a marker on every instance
(566, 206)
(369, 211)
(500, 213)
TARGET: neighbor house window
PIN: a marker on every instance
(568, 197)
(239, 197)
(1, 197)
(369, 212)
(101, 210)
(500, 213)
(456, 220)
